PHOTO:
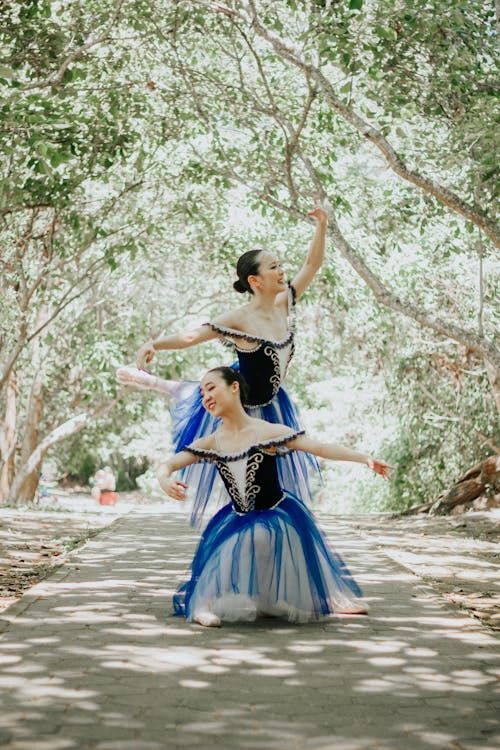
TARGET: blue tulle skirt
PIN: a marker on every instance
(274, 562)
(298, 472)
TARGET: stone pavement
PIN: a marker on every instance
(91, 658)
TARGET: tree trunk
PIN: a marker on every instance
(482, 480)
(71, 427)
(8, 439)
(31, 436)
(34, 411)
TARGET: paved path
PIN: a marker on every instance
(91, 658)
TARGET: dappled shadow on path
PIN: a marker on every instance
(457, 555)
(97, 661)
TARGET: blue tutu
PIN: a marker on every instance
(270, 562)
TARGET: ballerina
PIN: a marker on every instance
(262, 553)
(261, 334)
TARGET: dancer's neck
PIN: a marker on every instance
(264, 303)
(234, 422)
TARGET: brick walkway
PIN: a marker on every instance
(91, 658)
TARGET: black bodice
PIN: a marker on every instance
(265, 366)
(261, 468)
(250, 477)
(263, 372)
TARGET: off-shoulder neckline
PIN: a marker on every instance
(262, 339)
(272, 442)
(249, 336)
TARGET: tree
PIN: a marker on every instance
(384, 110)
(68, 177)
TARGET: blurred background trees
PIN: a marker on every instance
(146, 145)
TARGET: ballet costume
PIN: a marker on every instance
(264, 368)
(262, 554)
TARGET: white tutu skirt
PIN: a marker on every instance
(274, 562)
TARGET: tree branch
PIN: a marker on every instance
(394, 160)
(56, 78)
(466, 421)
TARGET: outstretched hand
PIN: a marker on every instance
(318, 212)
(145, 355)
(174, 489)
(380, 467)
(177, 490)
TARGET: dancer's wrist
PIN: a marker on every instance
(163, 474)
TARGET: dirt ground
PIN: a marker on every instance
(458, 556)
(34, 542)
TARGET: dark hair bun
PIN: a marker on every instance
(247, 265)
(238, 287)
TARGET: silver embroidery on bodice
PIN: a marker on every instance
(239, 471)
(251, 489)
(229, 477)
(275, 378)
(240, 477)
(285, 355)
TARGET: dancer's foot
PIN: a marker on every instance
(137, 378)
(352, 609)
(207, 619)
(131, 376)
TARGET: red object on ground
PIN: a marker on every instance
(108, 498)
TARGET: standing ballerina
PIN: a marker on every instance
(261, 334)
(262, 554)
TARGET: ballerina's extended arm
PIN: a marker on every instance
(337, 452)
(174, 341)
(316, 252)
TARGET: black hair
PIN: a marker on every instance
(231, 376)
(247, 265)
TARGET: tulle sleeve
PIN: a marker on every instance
(225, 333)
(202, 455)
(280, 442)
(229, 334)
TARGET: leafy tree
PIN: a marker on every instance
(132, 128)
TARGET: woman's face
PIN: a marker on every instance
(216, 395)
(271, 277)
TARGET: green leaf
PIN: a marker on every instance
(57, 158)
(356, 4)
(42, 149)
(42, 167)
(384, 33)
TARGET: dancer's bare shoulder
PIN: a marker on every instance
(272, 431)
(206, 443)
(236, 319)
